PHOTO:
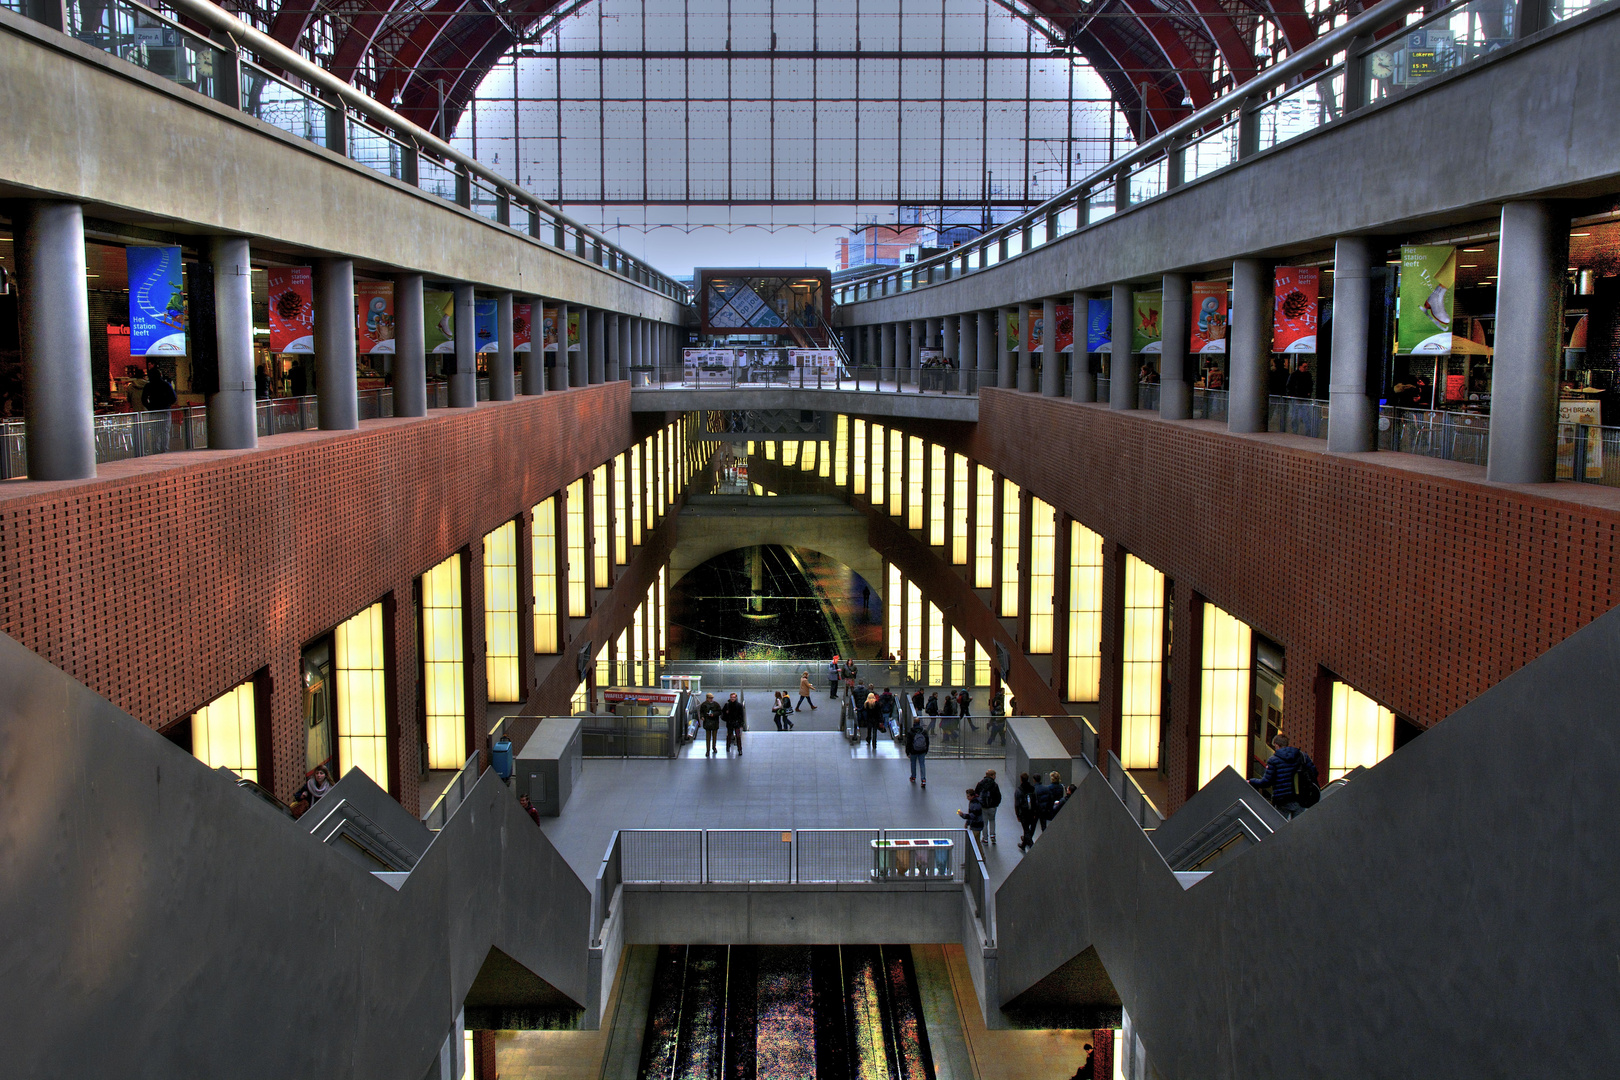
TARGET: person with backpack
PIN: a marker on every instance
(989, 798)
(932, 709)
(917, 751)
(709, 717)
(1024, 810)
(1291, 776)
(949, 712)
(973, 816)
(158, 394)
(890, 706)
(736, 719)
(785, 711)
(1046, 800)
(962, 702)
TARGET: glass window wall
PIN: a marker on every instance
(1085, 612)
(362, 701)
(959, 509)
(444, 688)
(984, 546)
(577, 556)
(1142, 664)
(1224, 697)
(543, 543)
(224, 733)
(501, 614)
(1363, 731)
(1010, 539)
(1042, 575)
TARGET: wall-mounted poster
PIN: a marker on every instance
(374, 328)
(292, 309)
(1293, 322)
(1428, 273)
(439, 321)
(550, 340)
(1099, 326)
(521, 336)
(1146, 331)
(157, 302)
(488, 339)
(1207, 333)
(1065, 328)
(708, 366)
(1581, 412)
(822, 360)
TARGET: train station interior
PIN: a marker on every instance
(809, 539)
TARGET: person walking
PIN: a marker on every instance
(917, 700)
(973, 816)
(709, 717)
(962, 703)
(949, 712)
(784, 710)
(1048, 797)
(989, 798)
(776, 711)
(1024, 810)
(873, 718)
(917, 751)
(1291, 775)
(932, 709)
(833, 674)
(850, 675)
(804, 693)
(736, 719)
(886, 700)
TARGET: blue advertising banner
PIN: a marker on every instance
(157, 302)
(1100, 325)
(484, 325)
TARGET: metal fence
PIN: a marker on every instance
(981, 888)
(762, 856)
(1297, 416)
(1464, 437)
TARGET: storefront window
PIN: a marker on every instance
(501, 613)
(362, 702)
(1009, 549)
(1142, 662)
(984, 547)
(443, 679)
(1085, 612)
(224, 733)
(1223, 713)
(1042, 574)
(1363, 731)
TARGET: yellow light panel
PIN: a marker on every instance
(1085, 613)
(544, 545)
(224, 733)
(501, 614)
(1223, 709)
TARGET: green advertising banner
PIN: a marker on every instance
(1145, 328)
(439, 321)
(1428, 274)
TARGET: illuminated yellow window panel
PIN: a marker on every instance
(1009, 549)
(362, 703)
(859, 476)
(770, 451)
(443, 679)
(544, 545)
(958, 482)
(635, 496)
(501, 614)
(1141, 662)
(638, 646)
(958, 659)
(841, 452)
(663, 612)
(935, 654)
(914, 485)
(807, 456)
(893, 609)
(661, 500)
(897, 472)
(880, 470)
(981, 667)
(934, 512)
(224, 733)
(621, 517)
(1085, 613)
(601, 554)
(824, 467)
(1363, 732)
(984, 554)
(577, 557)
(915, 645)
(1042, 574)
(790, 455)
(1223, 704)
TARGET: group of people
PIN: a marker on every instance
(1037, 804)
(711, 714)
(956, 710)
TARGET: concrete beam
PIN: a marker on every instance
(864, 402)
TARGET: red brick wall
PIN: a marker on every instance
(167, 581)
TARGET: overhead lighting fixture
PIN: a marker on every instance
(1474, 251)
(1580, 234)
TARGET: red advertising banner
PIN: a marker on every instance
(1065, 328)
(292, 309)
(521, 338)
(374, 327)
(1294, 318)
(1207, 333)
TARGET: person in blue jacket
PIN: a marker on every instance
(1281, 769)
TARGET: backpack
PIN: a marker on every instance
(933, 707)
(990, 797)
(1306, 791)
(1044, 801)
(1021, 806)
(919, 742)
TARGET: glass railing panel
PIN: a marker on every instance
(146, 40)
(435, 179)
(1068, 219)
(374, 150)
(522, 217)
(1303, 109)
(1559, 10)
(282, 105)
(1445, 40)
(991, 253)
(486, 201)
(1148, 181)
(1100, 203)
(1015, 244)
(1215, 150)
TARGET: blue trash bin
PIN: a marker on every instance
(501, 757)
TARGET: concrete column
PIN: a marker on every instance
(598, 355)
(503, 365)
(874, 349)
(1121, 364)
(1175, 387)
(410, 347)
(1006, 360)
(638, 344)
(1083, 386)
(911, 341)
(984, 346)
(1250, 342)
(579, 363)
(1051, 359)
(1354, 389)
(559, 367)
(967, 347)
(949, 340)
(534, 361)
(933, 333)
(53, 317)
(1534, 251)
(886, 344)
(1026, 365)
(232, 417)
(338, 400)
(619, 361)
(464, 376)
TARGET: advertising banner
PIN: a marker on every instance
(702, 365)
(1295, 291)
(1065, 329)
(488, 337)
(822, 360)
(375, 325)
(550, 342)
(439, 321)
(157, 302)
(1012, 332)
(1208, 331)
(1589, 413)
(1428, 274)
(520, 328)
(1146, 333)
(292, 309)
(1099, 326)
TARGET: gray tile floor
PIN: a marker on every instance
(784, 780)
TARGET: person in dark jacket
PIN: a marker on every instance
(709, 717)
(973, 816)
(948, 716)
(932, 709)
(917, 751)
(989, 798)
(872, 719)
(834, 671)
(1024, 810)
(917, 702)
(1300, 384)
(1047, 798)
(1281, 769)
(734, 716)
(529, 808)
(890, 707)
(962, 703)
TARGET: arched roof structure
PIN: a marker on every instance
(1160, 58)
